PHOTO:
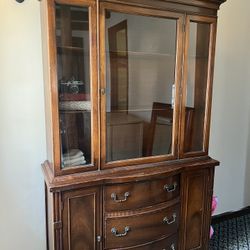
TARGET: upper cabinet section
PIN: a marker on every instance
(73, 84)
(73, 75)
(197, 84)
(140, 58)
(127, 82)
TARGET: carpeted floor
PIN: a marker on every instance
(231, 232)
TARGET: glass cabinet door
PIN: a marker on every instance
(74, 82)
(140, 82)
(200, 34)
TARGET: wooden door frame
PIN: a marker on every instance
(113, 75)
(179, 17)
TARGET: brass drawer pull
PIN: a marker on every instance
(170, 188)
(170, 221)
(171, 247)
(114, 197)
(115, 232)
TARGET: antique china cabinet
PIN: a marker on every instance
(128, 86)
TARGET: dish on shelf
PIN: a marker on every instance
(75, 105)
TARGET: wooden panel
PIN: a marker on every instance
(49, 219)
(141, 194)
(196, 210)
(48, 14)
(143, 226)
(203, 68)
(81, 219)
(124, 136)
(189, 7)
(48, 76)
(169, 243)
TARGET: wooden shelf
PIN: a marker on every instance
(140, 53)
(70, 48)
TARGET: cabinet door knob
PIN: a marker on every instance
(103, 91)
(170, 221)
(115, 232)
(170, 188)
(114, 197)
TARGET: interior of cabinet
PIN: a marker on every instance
(73, 76)
(196, 82)
(140, 72)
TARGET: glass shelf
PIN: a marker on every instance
(139, 53)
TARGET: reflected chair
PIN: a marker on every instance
(165, 111)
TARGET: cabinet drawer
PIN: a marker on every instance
(169, 243)
(141, 194)
(133, 229)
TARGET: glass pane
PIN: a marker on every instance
(198, 55)
(140, 74)
(73, 73)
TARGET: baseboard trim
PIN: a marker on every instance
(230, 215)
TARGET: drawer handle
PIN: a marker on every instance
(115, 232)
(171, 247)
(170, 188)
(114, 197)
(170, 221)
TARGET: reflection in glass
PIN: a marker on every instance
(198, 55)
(72, 40)
(140, 73)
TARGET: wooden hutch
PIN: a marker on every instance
(128, 87)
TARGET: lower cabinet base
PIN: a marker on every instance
(156, 213)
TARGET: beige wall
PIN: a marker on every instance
(22, 131)
(230, 139)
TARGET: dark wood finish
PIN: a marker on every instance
(200, 7)
(51, 92)
(166, 111)
(197, 190)
(81, 219)
(169, 243)
(141, 194)
(208, 97)
(179, 45)
(124, 134)
(80, 211)
(121, 61)
(145, 226)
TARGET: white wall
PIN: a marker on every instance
(22, 128)
(230, 138)
(22, 131)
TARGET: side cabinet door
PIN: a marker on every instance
(197, 189)
(81, 222)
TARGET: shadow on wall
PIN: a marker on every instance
(247, 175)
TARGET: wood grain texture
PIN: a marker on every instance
(81, 219)
(196, 209)
(160, 244)
(207, 97)
(190, 7)
(141, 194)
(149, 12)
(144, 226)
(125, 174)
(79, 205)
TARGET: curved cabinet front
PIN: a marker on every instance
(139, 195)
(130, 229)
